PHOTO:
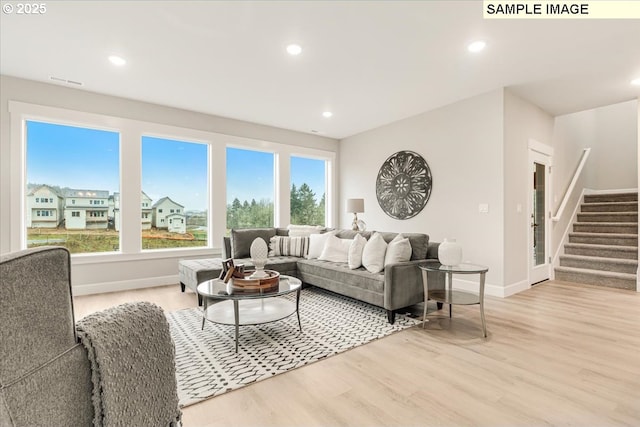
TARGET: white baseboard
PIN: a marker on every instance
(489, 289)
(125, 285)
(514, 288)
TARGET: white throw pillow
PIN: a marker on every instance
(316, 244)
(335, 249)
(373, 253)
(304, 230)
(355, 251)
(398, 250)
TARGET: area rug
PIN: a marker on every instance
(207, 364)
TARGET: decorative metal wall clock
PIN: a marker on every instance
(403, 186)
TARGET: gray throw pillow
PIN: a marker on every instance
(241, 240)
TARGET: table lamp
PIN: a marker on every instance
(355, 206)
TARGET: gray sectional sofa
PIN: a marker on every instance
(397, 286)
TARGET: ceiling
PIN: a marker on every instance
(368, 62)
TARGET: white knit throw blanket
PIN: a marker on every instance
(133, 366)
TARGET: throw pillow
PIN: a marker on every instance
(335, 249)
(316, 244)
(373, 253)
(355, 251)
(288, 246)
(398, 250)
(241, 240)
(304, 230)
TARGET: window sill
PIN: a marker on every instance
(107, 257)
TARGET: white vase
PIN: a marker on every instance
(259, 251)
(450, 252)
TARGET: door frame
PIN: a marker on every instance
(542, 154)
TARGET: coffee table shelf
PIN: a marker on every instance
(251, 312)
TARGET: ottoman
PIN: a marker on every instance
(195, 271)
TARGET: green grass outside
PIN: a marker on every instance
(104, 240)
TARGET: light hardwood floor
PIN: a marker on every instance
(557, 354)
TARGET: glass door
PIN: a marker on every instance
(539, 216)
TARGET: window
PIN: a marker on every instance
(175, 173)
(250, 188)
(308, 191)
(66, 161)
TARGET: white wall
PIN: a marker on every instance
(462, 143)
(98, 273)
(523, 121)
(611, 132)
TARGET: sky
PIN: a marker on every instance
(88, 159)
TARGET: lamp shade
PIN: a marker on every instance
(355, 205)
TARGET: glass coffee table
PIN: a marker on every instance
(242, 309)
(451, 296)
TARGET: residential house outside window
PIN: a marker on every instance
(250, 188)
(175, 180)
(308, 191)
(64, 165)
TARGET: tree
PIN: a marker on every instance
(304, 210)
(307, 205)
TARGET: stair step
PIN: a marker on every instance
(603, 227)
(615, 239)
(609, 207)
(595, 277)
(613, 197)
(616, 217)
(628, 266)
(605, 251)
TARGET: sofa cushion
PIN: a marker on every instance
(398, 250)
(373, 253)
(335, 249)
(355, 251)
(350, 234)
(288, 246)
(419, 243)
(241, 240)
(340, 272)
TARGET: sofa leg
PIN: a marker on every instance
(182, 287)
(391, 316)
(199, 300)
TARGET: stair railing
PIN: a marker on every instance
(572, 184)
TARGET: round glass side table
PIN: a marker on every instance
(449, 295)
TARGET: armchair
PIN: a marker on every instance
(48, 376)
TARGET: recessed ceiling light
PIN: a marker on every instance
(294, 49)
(327, 114)
(476, 46)
(116, 60)
(636, 82)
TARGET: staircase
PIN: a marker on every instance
(603, 247)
